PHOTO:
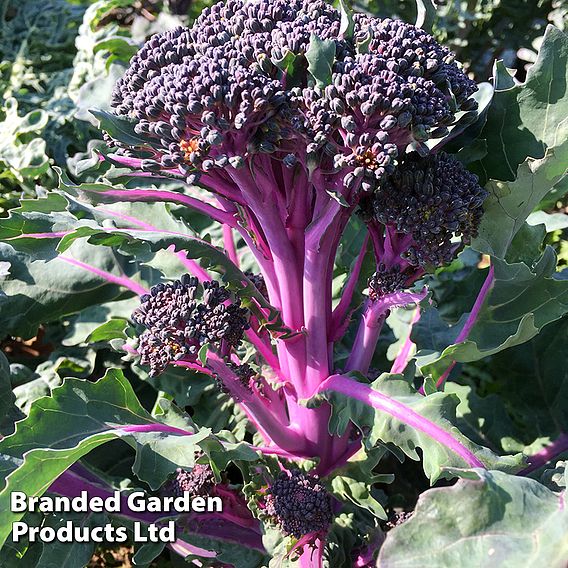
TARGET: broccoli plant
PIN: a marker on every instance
(292, 123)
(279, 181)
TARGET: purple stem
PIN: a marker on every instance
(547, 454)
(229, 243)
(400, 411)
(184, 549)
(365, 341)
(58, 235)
(237, 391)
(351, 450)
(341, 311)
(320, 246)
(275, 451)
(188, 365)
(156, 427)
(153, 195)
(265, 350)
(120, 280)
(131, 220)
(312, 556)
(470, 322)
(370, 326)
(266, 422)
(192, 266)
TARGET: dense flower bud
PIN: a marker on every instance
(178, 322)
(434, 199)
(199, 481)
(239, 82)
(258, 281)
(299, 503)
(386, 280)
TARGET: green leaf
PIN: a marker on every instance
(13, 554)
(71, 554)
(359, 493)
(23, 155)
(9, 412)
(112, 329)
(147, 552)
(484, 420)
(42, 288)
(202, 354)
(96, 317)
(552, 221)
(439, 408)
(532, 381)
(475, 151)
(293, 66)
(362, 45)
(38, 385)
(78, 417)
(523, 300)
(122, 48)
(347, 25)
(510, 203)
(119, 128)
(320, 56)
(524, 120)
(493, 519)
(425, 14)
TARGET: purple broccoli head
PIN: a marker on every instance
(178, 322)
(299, 503)
(199, 481)
(433, 199)
(239, 83)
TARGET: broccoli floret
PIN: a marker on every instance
(258, 281)
(434, 199)
(245, 374)
(199, 481)
(386, 280)
(299, 504)
(239, 83)
(178, 323)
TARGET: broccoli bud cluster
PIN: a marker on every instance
(386, 281)
(258, 280)
(436, 201)
(299, 503)
(178, 322)
(199, 481)
(239, 83)
(245, 374)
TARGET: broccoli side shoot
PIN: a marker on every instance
(299, 503)
(179, 320)
(200, 481)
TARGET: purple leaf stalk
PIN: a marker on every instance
(294, 124)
